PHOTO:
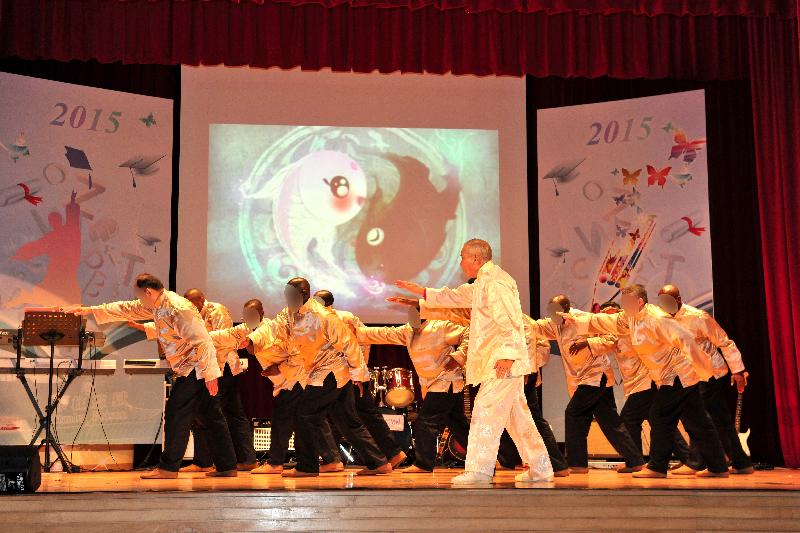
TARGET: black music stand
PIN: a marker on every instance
(50, 328)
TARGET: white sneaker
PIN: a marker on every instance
(472, 479)
(528, 477)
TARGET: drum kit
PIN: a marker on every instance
(393, 387)
(393, 390)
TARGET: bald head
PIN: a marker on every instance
(325, 296)
(197, 297)
(256, 305)
(562, 300)
(672, 290)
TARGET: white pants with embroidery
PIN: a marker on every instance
(500, 404)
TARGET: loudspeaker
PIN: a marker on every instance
(20, 469)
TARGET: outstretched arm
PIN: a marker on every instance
(382, 335)
(122, 311)
(460, 297)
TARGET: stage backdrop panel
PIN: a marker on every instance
(351, 180)
(85, 206)
(623, 198)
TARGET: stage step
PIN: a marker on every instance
(406, 510)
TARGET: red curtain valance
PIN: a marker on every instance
(371, 39)
(719, 8)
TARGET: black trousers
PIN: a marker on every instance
(636, 410)
(284, 412)
(589, 401)
(438, 409)
(673, 402)
(314, 403)
(508, 456)
(238, 424)
(716, 404)
(188, 401)
(374, 422)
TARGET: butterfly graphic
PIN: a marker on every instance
(657, 176)
(634, 236)
(610, 263)
(694, 230)
(149, 120)
(683, 179)
(35, 200)
(620, 230)
(615, 172)
(619, 200)
(688, 149)
(630, 178)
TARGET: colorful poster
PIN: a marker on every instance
(85, 205)
(623, 198)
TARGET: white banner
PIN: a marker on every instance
(623, 198)
(85, 205)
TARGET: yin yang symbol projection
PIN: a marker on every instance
(352, 209)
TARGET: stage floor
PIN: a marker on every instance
(599, 501)
(778, 479)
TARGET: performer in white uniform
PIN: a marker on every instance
(498, 360)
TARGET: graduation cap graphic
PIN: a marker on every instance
(559, 253)
(77, 159)
(141, 165)
(563, 173)
(149, 240)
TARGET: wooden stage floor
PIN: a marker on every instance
(779, 479)
(599, 501)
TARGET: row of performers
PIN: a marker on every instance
(675, 362)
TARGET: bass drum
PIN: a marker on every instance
(399, 383)
(457, 450)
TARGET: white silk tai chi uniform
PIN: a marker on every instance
(496, 332)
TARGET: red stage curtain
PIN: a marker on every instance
(753, 8)
(366, 39)
(775, 87)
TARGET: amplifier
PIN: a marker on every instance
(261, 439)
(20, 469)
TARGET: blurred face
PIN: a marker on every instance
(147, 296)
(252, 317)
(558, 305)
(414, 319)
(669, 299)
(294, 298)
(631, 304)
